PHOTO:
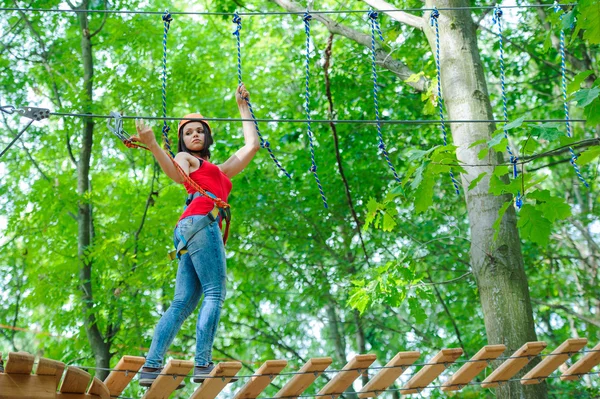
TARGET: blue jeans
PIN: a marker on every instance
(201, 270)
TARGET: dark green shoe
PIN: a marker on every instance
(149, 374)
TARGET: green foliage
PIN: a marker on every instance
(588, 20)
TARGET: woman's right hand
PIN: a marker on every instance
(145, 134)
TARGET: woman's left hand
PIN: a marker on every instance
(241, 95)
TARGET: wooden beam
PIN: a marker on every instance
(123, 373)
(583, 365)
(75, 396)
(386, 376)
(169, 380)
(475, 366)
(99, 389)
(560, 355)
(431, 371)
(50, 367)
(19, 363)
(355, 368)
(211, 387)
(299, 382)
(26, 386)
(512, 366)
(76, 380)
(261, 380)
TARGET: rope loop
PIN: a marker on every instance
(497, 14)
(435, 14)
(167, 17)
(307, 17)
(237, 20)
(382, 147)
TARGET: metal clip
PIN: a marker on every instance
(174, 377)
(118, 126)
(8, 109)
(37, 114)
(271, 377)
(223, 379)
(126, 373)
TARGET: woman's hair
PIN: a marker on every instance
(208, 141)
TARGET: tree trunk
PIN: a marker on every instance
(97, 342)
(497, 265)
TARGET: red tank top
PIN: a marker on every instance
(210, 178)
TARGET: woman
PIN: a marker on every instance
(202, 268)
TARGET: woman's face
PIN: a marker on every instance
(194, 136)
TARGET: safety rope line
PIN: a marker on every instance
(434, 22)
(375, 368)
(263, 143)
(328, 121)
(16, 138)
(514, 159)
(258, 14)
(375, 27)
(563, 71)
(167, 18)
(307, 17)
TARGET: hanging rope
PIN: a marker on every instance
(313, 168)
(263, 143)
(167, 18)
(375, 27)
(33, 113)
(434, 22)
(513, 158)
(563, 70)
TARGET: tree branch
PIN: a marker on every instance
(381, 56)
(400, 16)
(594, 322)
(103, 22)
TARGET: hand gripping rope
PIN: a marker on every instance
(307, 17)
(375, 27)
(513, 158)
(34, 114)
(263, 143)
(434, 22)
(563, 70)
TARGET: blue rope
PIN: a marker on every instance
(263, 143)
(434, 22)
(513, 158)
(307, 17)
(167, 18)
(563, 71)
(375, 27)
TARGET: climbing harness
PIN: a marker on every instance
(513, 158)
(563, 71)
(375, 27)
(307, 17)
(33, 113)
(434, 22)
(263, 143)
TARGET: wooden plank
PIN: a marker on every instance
(434, 368)
(261, 380)
(475, 366)
(99, 389)
(123, 373)
(583, 365)
(19, 363)
(211, 387)
(75, 381)
(51, 367)
(169, 380)
(342, 380)
(386, 376)
(60, 395)
(299, 382)
(553, 361)
(20, 386)
(512, 366)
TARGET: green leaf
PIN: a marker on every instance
(477, 180)
(589, 20)
(567, 20)
(546, 131)
(533, 225)
(389, 222)
(415, 77)
(586, 96)
(592, 112)
(577, 81)
(553, 208)
(424, 195)
(478, 142)
(496, 140)
(516, 123)
(547, 43)
(483, 153)
(589, 155)
(529, 147)
(416, 310)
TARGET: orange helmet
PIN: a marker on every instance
(195, 116)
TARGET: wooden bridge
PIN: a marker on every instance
(53, 380)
